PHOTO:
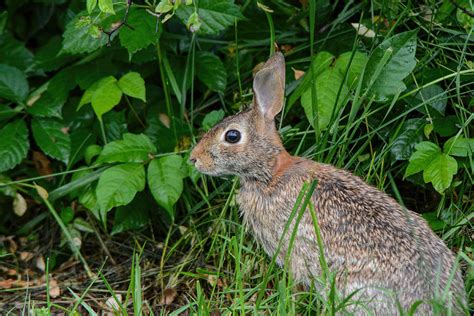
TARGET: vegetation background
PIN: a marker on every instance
(101, 101)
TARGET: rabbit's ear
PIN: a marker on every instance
(269, 87)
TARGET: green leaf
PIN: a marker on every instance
(14, 144)
(433, 98)
(355, 68)
(77, 39)
(411, 134)
(327, 88)
(212, 119)
(132, 84)
(132, 216)
(14, 53)
(215, 15)
(425, 153)
(446, 126)
(210, 70)
(13, 84)
(7, 112)
(3, 21)
(91, 4)
(106, 6)
(459, 146)
(133, 148)
(143, 33)
(388, 65)
(67, 215)
(118, 185)
(51, 137)
(91, 152)
(104, 95)
(320, 63)
(440, 172)
(165, 179)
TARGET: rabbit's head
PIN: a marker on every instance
(247, 144)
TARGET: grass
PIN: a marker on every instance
(205, 262)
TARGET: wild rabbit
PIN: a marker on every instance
(376, 247)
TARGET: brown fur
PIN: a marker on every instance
(373, 245)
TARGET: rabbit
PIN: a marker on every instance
(383, 252)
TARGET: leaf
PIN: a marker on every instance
(118, 185)
(106, 6)
(143, 33)
(14, 144)
(13, 84)
(446, 126)
(50, 136)
(440, 172)
(215, 15)
(411, 134)
(133, 148)
(212, 119)
(320, 63)
(388, 65)
(104, 95)
(327, 89)
(91, 4)
(433, 98)
(132, 216)
(14, 53)
(425, 153)
(7, 112)
(19, 205)
(76, 37)
(358, 63)
(132, 84)
(91, 152)
(165, 179)
(210, 70)
(459, 147)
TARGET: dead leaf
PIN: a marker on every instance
(298, 73)
(363, 30)
(164, 119)
(168, 296)
(112, 302)
(40, 263)
(54, 290)
(26, 256)
(19, 205)
(286, 48)
(65, 130)
(42, 164)
(42, 192)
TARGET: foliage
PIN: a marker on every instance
(100, 103)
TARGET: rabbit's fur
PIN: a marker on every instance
(377, 248)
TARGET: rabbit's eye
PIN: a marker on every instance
(232, 136)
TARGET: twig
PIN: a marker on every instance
(118, 25)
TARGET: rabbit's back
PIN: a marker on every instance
(371, 242)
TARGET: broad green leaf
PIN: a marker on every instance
(132, 216)
(13, 84)
(14, 53)
(91, 152)
(143, 33)
(411, 133)
(215, 15)
(433, 99)
(210, 70)
(52, 137)
(3, 21)
(327, 89)
(106, 6)
(14, 144)
(67, 214)
(446, 126)
(212, 119)
(90, 5)
(104, 95)
(165, 179)
(356, 66)
(132, 84)
(320, 63)
(7, 112)
(133, 148)
(425, 153)
(388, 65)
(440, 172)
(118, 185)
(459, 147)
(77, 39)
